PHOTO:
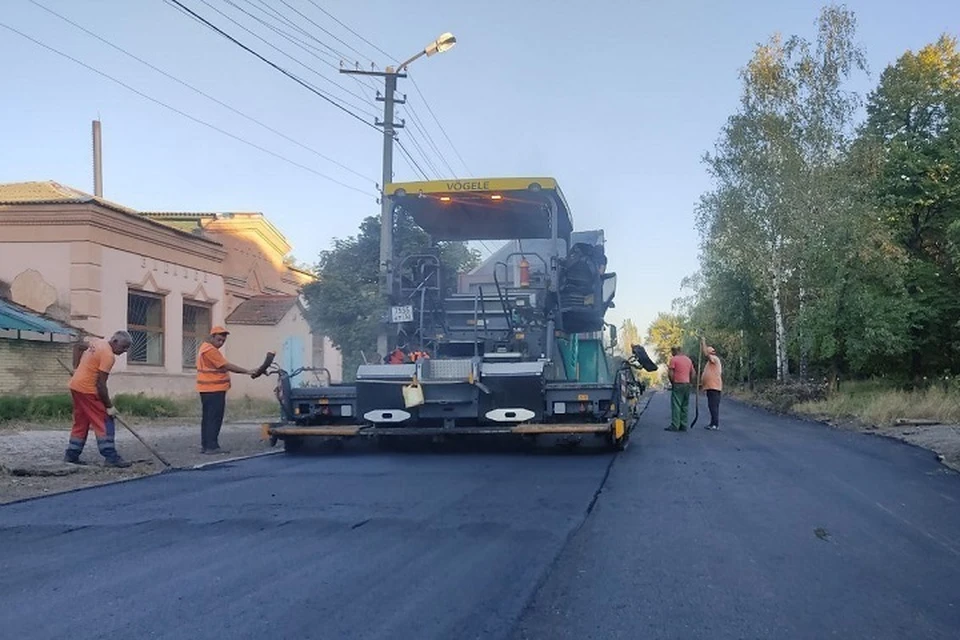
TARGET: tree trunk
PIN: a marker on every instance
(804, 349)
(780, 345)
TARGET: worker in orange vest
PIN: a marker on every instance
(213, 382)
(92, 406)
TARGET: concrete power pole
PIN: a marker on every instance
(444, 43)
(97, 161)
(390, 127)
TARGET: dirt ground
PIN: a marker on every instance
(31, 455)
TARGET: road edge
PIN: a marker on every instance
(860, 428)
(159, 472)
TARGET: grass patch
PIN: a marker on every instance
(58, 407)
(874, 402)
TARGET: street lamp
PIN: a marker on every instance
(444, 43)
(441, 44)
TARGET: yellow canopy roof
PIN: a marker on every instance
(484, 208)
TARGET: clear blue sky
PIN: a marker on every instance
(617, 100)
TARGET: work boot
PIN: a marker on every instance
(116, 461)
(71, 457)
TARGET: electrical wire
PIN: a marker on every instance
(265, 7)
(412, 79)
(418, 125)
(363, 99)
(424, 156)
(423, 173)
(272, 64)
(201, 92)
(181, 113)
(306, 46)
(334, 18)
(437, 120)
(298, 12)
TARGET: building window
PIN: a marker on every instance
(196, 327)
(145, 324)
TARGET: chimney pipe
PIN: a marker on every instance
(97, 161)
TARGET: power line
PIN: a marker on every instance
(199, 91)
(306, 46)
(334, 18)
(290, 75)
(418, 125)
(415, 85)
(181, 113)
(289, 38)
(452, 146)
(426, 158)
(278, 15)
(265, 8)
(298, 12)
(423, 173)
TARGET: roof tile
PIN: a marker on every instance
(262, 310)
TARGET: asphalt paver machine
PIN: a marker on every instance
(520, 348)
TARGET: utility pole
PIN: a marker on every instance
(389, 100)
(444, 43)
(97, 161)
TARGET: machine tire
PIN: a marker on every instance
(293, 444)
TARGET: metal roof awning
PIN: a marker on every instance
(485, 208)
(16, 318)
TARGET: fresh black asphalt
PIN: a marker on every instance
(769, 528)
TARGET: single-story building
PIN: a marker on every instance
(99, 266)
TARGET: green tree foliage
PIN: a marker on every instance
(665, 332)
(345, 303)
(912, 141)
(830, 247)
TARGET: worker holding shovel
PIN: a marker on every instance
(213, 382)
(712, 380)
(92, 407)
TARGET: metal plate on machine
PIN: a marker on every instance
(401, 314)
(386, 372)
(458, 369)
(512, 368)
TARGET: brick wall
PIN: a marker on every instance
(29, 367)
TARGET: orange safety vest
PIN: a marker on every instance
(209, 376)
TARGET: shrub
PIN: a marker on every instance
(783, 396)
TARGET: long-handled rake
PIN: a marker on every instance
(166, 464)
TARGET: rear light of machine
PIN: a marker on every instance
(559, 407)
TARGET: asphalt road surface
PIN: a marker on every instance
(770, 528)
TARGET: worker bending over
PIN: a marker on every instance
(92, 407)
(213, 382)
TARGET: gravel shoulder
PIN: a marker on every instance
(31, 455)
